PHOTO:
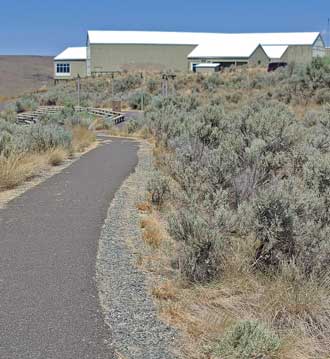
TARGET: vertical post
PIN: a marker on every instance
(112, 86)
(164, 85)
(142, 93)
(329, 32)
(78, 89)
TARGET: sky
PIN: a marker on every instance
(44, 27)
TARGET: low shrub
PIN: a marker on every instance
(57, 156)
(82, 138)
(34, 138)
(200, 256)
(153, 85)
(17, 168)
(212, 82)
(249, 339)
(126, 83)
(158, 187)
(26, 104)
(152, 232)
(139, 99)
(274, 228)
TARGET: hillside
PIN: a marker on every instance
(21, 74)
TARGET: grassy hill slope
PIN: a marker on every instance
(21, 74)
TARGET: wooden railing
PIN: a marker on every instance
(34, 116)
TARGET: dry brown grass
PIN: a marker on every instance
(3, 99)
(123, 132)
(144, 207)
(18, 168)
(57, 156)
(153, 233)
(118, 131)
(165, 291)
(82, 138)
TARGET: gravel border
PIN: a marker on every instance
(129, 311)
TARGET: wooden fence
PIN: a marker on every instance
(34, 116)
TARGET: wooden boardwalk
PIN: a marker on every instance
(31, 117)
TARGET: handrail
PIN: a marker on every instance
(33, 116)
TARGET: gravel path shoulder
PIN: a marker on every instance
(128, 309)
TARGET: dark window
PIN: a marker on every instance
(275, 65)
(62, 68)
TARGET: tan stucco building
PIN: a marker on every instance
(260, 49)
(70, 63)
(112, 51)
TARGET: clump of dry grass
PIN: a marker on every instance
(165, 291)
(153, 233)
(18, 168)
(144, 207)
(57, 156)
(118, 131)
(82, 138)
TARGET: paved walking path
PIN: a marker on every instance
(48, 243)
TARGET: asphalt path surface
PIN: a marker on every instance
(49, 306)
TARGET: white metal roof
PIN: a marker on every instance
(207, 65)
(243, 45)
(72, 53)
(274, 51)
(223, 48)
(207, 44)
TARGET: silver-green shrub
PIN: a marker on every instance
(158, 187)
(258, 163)
(15, 139)
(200, 257)
(248, 339)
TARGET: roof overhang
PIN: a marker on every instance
(72, 54)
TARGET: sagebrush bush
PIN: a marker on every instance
(139, 99)
(158, 187)
(200, 257)
(274, 227)
(127, 83)
(34, 138)
(212, 82)
(249, 162)
(247, 340)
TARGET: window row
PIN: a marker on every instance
(63, 68)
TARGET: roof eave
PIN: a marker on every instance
(55, 59)
(218, 57)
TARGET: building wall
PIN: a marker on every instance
(223, 61)
(318, 48)
(259, 58)
(327, 51)
(207, 69)
(110, 57)
(298, 53)
(77, 67)
(88, 59)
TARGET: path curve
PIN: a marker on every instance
(49, 306)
